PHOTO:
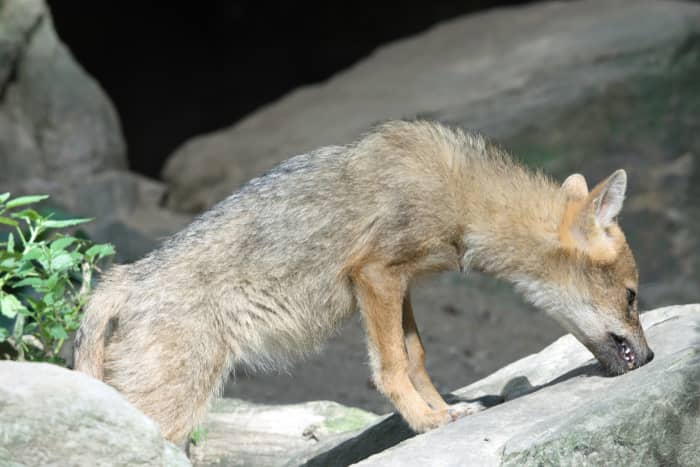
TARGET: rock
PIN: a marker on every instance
(56, 124)
(127, 212)
(238, 433)
(53, 416)
(60, 135)
(561, 410)
(489, 71)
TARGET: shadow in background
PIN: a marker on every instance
(178, 69)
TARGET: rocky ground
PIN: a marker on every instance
(555, 407)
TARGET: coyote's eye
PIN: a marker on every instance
(631, 297)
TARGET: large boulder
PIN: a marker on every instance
(53, 416)
(497, 71)
(57, 126)
(559, 409)
(127, 211)
(60, 135)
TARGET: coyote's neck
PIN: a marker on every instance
(512, 220)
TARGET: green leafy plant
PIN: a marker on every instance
(45, 278)
(198, 435)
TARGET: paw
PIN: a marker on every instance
(430, 420)
(437, 418)
(462, 409)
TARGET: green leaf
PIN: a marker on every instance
(62, 262)
(8, 221)
(8, 263)
(48, 298)
(52, 281)
(18, 330)
(77, 257)
(23, 200)
(100, 251)
(36, 305)
(198, 435)
(31, 328)
(25, 269)
(62, 243)
(59, 292)
(27, 214)
(55, 224)
(43, 304)
(10, 306)
(57, 332)
(34, 252)
(29, 282)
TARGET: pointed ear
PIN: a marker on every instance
(607, 198)
(588, 224)
(575, 187)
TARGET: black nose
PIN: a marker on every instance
(650, 356)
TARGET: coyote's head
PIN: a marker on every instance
(590, 282)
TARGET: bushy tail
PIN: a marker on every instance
(101, 309)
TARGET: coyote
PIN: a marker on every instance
(269, 273)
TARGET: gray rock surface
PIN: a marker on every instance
(56, 123)
(60, 135)
(560, 410)
(127, 211)
(238, 433)
(488, 71)
(53, 416)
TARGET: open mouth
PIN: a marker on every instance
(625, 351)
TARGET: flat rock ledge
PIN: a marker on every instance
(560, 409)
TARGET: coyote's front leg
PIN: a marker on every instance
(380, 292)
(416, 358)
(418, 374)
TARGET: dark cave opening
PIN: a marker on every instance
(175, 71)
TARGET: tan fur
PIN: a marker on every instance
(271, 272)
(416, 358)
(575, 187)
(579, 229)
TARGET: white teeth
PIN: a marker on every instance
(627, 355)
